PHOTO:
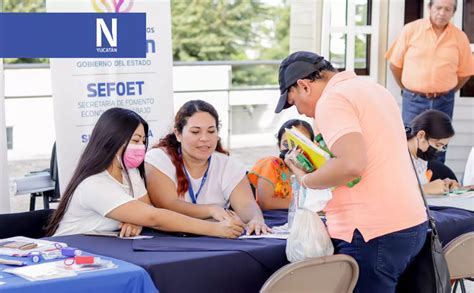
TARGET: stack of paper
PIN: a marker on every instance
(41, 246)
(40, 272)
(58, 269)
(279, 232)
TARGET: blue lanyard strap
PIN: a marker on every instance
(203, 181)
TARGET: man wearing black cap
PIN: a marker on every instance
(379, 222)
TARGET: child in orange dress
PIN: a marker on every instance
(271, 177)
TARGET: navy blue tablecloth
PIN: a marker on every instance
(452, 222)
(205, 264)
(225, 266)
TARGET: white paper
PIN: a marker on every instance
(116, 234)
(57, 269)
(269, 235)
(278, 232)
(40, 272)
(137, 237)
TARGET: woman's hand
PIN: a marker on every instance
(128, 230)
(452, 184)
(218, 213)
(259, 227)
(468, 187)
(436, 187)
(229, 228)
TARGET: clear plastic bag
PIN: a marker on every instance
(314, 200)
(308, 237)
(308, 234)
(295, 187)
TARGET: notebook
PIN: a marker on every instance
(315, 154)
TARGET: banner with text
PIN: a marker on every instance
(72, 35)
(84, 88)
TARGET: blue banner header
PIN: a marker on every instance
(72, 35)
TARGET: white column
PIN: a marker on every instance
(4, 196)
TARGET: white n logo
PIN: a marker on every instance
(101, 28)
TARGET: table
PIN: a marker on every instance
(451, 201)
(197, 264)
(205, 264)
(125, 278)
(452, 222)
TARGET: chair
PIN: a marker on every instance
(53, 195)
(459, 255)
(47, 185)
(335, 273)
(30, 224)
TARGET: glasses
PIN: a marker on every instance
(441, 149)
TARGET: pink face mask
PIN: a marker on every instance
(134, 155)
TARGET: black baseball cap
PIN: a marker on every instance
(296, 66)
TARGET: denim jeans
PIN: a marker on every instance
(414, 104)
(383, 259)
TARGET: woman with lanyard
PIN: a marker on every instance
(189, 172)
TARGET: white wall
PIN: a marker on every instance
(305, 25)
(4, 196)
(32, 119)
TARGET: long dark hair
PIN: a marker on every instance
(172, 146)
(294, 122)
(113, 130)
(434, 123)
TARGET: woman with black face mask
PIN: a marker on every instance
(428, 135)
(271, 177)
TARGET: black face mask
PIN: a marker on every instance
(430, 154)
(283, 153)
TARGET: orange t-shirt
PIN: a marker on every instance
(431, 64)
(387, 199)
(274, 171)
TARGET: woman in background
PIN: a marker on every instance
(428, 135)
(271, 177)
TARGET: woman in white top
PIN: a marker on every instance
(429, 134)
(108, 190)
(189, 172)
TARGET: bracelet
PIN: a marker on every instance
(302, 180)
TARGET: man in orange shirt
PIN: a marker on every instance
(379, 222)
(430, 61)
